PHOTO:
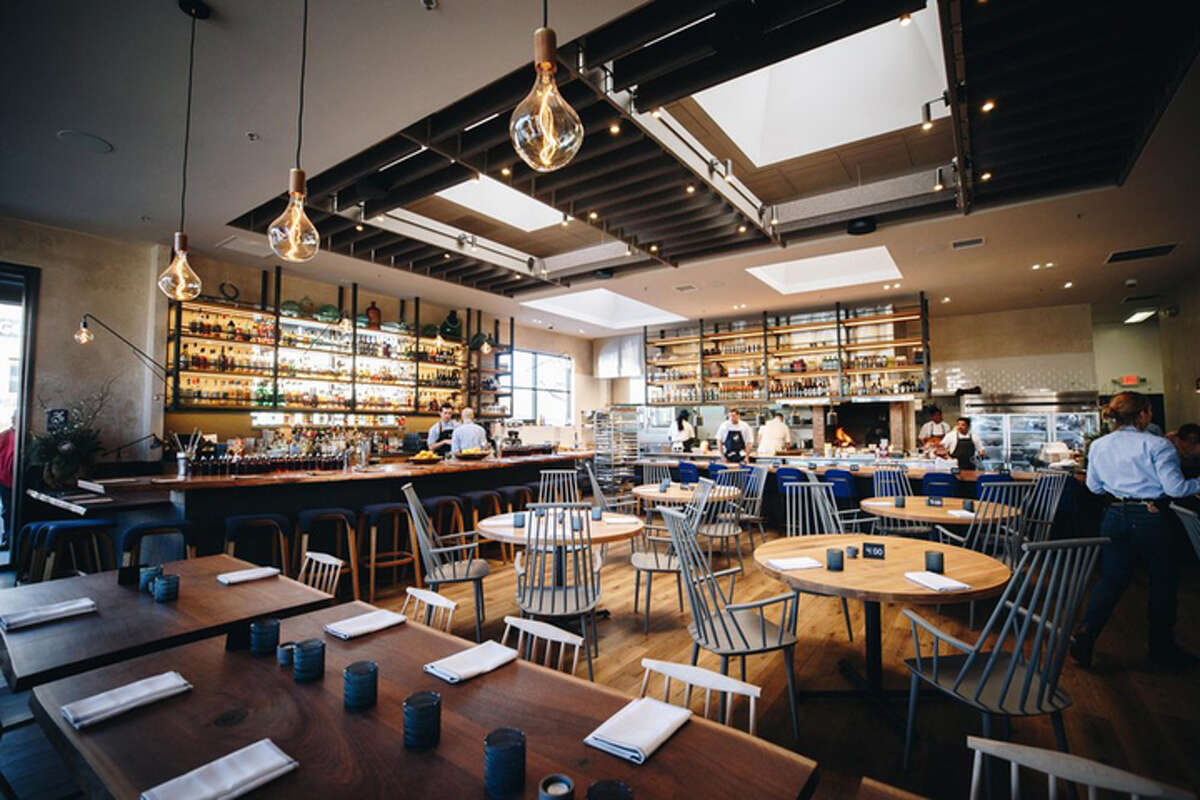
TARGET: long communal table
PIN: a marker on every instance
(238, 699)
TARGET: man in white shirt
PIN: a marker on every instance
(468, 435)
(962, 444)
(734, 437)
(935, 429)
(774, 436)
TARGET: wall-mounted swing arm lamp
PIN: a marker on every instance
(84, 336)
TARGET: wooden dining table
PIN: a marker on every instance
(877, 581)
(950, 512)
(613, 527)
(238, 698)
(129, 623)
(650, 494)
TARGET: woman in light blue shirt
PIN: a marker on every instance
(1139, 472)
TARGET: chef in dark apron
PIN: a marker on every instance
(734, 437)
(439, 434)
(962, 445)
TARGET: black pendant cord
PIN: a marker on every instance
(545, 13)
(303, 70)
(187, 126)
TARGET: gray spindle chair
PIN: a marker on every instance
(752, 500)
(622, 503)
(452, 558)
(1191, 524)
(1013, 668)
(560, 577)
(558, 486)
(1041, 505)
(721, 523)
(810, 509)
(652, 550)
(435, 610)
(891, 481)
(693, 677)
(655, 472)
(1091, 775)
(731, 630)
(321, 571)
(532, 632)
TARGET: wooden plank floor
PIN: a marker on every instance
(1123, 714)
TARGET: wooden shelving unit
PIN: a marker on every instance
(843, 353)
(489, 383)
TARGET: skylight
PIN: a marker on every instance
(871, 83)
(831, 271)
(502, 203)
(604, 308)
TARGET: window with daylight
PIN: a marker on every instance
(541, 387)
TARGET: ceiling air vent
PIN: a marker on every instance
(684, 288)
(963, 244)
(1141, 252)
(1141, 299)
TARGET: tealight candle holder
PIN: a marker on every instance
(264, 636)
(422, 720)
(968, 505)
(833, 559)
(146, 577)
(283, 653)
(360, 688)
(610, 790)
(597, 513)
(851, 551)
(556, 787)
(503, 763)
(518, 519)
(308, 661)
(935, 561)
(899, 501)
(166, 588)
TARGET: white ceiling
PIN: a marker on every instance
(116, 69)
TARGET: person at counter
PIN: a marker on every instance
(683, 435)
(774, 436)
(962, 444)
(1139, 474)
(935, 429)
(441, 431)
(1187, 443)
(468, 435)
(734, 437)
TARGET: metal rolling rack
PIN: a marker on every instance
(616, 445)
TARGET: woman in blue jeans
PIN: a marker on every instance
(1138, 472)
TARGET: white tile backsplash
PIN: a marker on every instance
(1058, 372)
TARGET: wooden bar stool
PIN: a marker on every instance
(514, 498)
(129, 542)
(345, 524)
(482, 504)
(445, 513)
(393, 517)
(78, 539)
(260, 533)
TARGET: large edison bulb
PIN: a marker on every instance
(179, 281)
(293, 237)
(83, 335)
(545, 130)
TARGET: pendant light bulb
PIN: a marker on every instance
(486, 347)
(179, 281)
(292, 235)
(83, 335)
(545, 130)
(439, 341)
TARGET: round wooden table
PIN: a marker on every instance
(876, 581)
(612, 528)
(677, 495)
(951, 511)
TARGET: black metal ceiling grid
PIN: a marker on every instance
(1077, 87)
(623, 184)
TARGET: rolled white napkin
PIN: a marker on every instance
(878, 502)
(961, 513)
(91, 710)
(621, 519)
(363, 624)
(243, 575)
(803, 562)
(936, 582)
(473, 661)
(638, 729)
(230, 776)
(47, 613)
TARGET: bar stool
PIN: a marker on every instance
(486, 501)
(688, 472)
(387, 515)
(345, 524)
(843, 487)
(24, 547)
(939, 484)
(514, 498)
(445, 513)
(129, 541)
(986, 478)
(256, 530)
(55, 539)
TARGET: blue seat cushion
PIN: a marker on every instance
(307, 517)
(515, 496)
(479, 499)
(244, 523)
(134, 533)
(688, 472)
(377, 511)
(45, 532)
(939, 484)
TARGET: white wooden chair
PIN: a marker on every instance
(531, 632)
(321, 571)
(436, 611)
(693, 677)
(1056, 766)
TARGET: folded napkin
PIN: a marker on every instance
(91, 710)
(878, 502)
(243, 575)
(936, 582)
(48, 613)
(363, 624)
(804, 562)
(473, 661)
(621, 518)
(230, 776)
(961, 513)
(638, 729)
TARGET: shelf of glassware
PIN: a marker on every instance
(279, 419)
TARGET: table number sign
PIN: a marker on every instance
(854, 468)
(872, 550)
(934, 501)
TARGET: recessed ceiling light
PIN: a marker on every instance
(691, 189)
(445, 255)
(581, 330)
(593, 215)
(988, 105)
(564, 222)
(84, 141)
(358, 227)
(1139, 316)
(887, 286)
(741, 228)
(945, 299)
(615, 128)
(1068, 285)
(895, 286)
(505, 171)
(774, 220)
(987, 176)
(1049, 264)
(653, 248)
(905, 20)
(1036, 266)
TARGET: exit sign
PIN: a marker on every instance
(1130, 380)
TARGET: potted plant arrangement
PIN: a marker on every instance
(68, 447)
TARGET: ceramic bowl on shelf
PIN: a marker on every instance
(473, 455)
(290, 308)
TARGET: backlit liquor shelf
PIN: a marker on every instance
(289, 369)
(814, 357)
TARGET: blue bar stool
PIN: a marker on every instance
(786, 475)
(56, 539)
(260, 534)
(344, 523)
(393, 517)
(688, 472)
(939, 484)
(988, 477)
(514, 498)
(715, 469)
(129, 541)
